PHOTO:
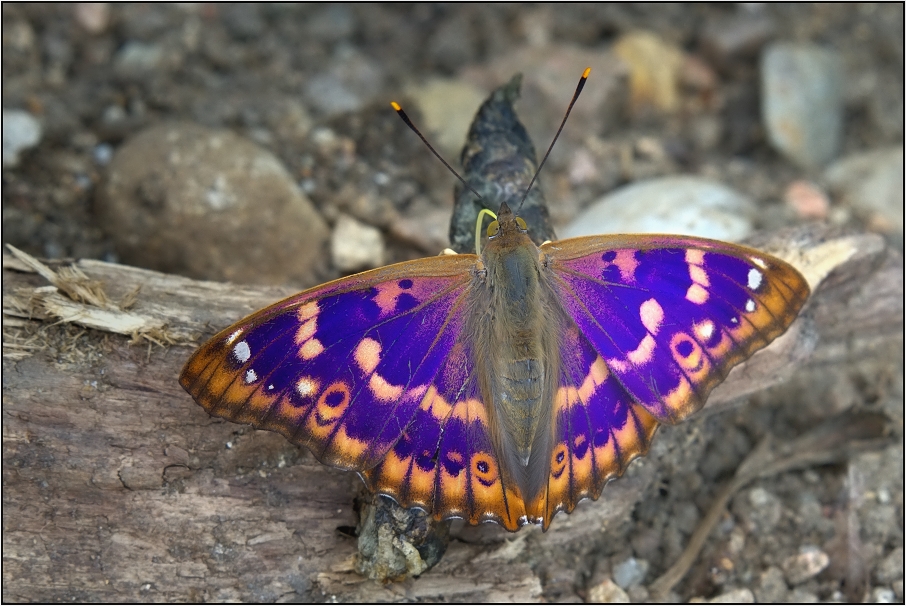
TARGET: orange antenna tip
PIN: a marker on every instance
(395, 106)
(586, 72)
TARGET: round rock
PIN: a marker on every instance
(21, 131)
(207, 203)
(675, 205)
(802, 102)
(872, 183)
(355, 246)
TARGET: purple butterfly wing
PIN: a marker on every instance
(445, 461)
(598, 428)
(372, 373)
(671, 315)
(342, 368)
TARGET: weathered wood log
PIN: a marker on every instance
(118, 487)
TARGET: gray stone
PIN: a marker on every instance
(740, 35)
(871, 183)
(771, 586)
(138, 58)
(802, 102)
(680, 205)
(806, 564)
(764, 509)
(734, 596)
(447, 107)
(349, 82)
(21, 131)
(630, 572)
(800, 596)
(210, 204)
(891, 568)
(607, 592)
(883, 595)
(355, 245)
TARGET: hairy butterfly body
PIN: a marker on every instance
(505, 387)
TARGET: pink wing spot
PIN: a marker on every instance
(697, 294)
(652, 315)
(232, 338)
(416, 393)
(705, 329)
(250, 376)
(642, 354)
(470, 410)
(368, 355)
(699, 275)
(436, 404)
(307, 387)
(382, 390)
(618, 364)
(308, 311)
(312, 349)
(695, 257)
(306, 331)
(242, 352)
(387, 294)
(597, 374)
(566, 398)
(627, 263)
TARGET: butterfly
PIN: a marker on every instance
(505, 386)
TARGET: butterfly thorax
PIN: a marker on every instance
(517, 354)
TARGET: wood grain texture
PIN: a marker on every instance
(117, 487)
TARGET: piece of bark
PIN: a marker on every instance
(118, 487)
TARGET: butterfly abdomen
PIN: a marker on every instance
(518, 359)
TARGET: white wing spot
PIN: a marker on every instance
(306, 387)
(750, 306)
(270, 387)
(754, 279)
(759, 262)
(233, 336)
(251, 376)
(242, 352)
(705, 329)
(734, 320)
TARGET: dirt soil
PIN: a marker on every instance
(311, 85)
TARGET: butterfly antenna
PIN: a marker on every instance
(402, 114)
(579, 88)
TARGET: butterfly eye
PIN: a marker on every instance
(521, 224)
(493, 228)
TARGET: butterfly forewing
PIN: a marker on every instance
(671, 315)
(341, 368)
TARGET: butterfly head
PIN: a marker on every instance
(507, 223)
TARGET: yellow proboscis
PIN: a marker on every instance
(481, 214)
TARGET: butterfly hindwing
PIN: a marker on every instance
(445, 461)
(670, 315)
(341, 368)
(598, 428)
